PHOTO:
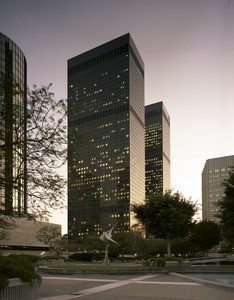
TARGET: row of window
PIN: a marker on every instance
(99, 115)
(104, 209)
(98, 59)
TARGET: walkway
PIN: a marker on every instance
(128, 287)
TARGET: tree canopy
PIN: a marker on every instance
(226, 208)
(166, 216)
(205, 235)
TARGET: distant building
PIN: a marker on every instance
(157, 149)
(215, 171)
(21, 238)
(106, 106)
(13, 97)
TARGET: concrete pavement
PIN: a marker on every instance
(128, 287)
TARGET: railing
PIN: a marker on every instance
(18, 290)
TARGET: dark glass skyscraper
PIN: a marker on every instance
(13, 95)
(106, 105)
(157, 148)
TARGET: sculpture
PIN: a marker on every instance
(107, 237)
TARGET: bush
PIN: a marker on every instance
(113, 254)
(17, 267)
(81, 256)
(160, 262)
(31, 258)
(98, 256)
(49, 258)
(144, 257)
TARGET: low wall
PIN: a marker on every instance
(18, 290)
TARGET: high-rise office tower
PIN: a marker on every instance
(215, 171)
(106, 105)
(157, 149)
(13, 95)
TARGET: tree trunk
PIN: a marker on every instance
(168, 247)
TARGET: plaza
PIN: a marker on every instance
(129, 287)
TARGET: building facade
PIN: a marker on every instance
(13, 95)
(21, 237)
(215, 171)
(106, 106)
(157, 149)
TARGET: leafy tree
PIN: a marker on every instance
(226, 208)
(166, 216)
(155, 247)
(91, 243)
(63, 244)
(183, 246)
(205, 235)
(48, 236)
(126, 242)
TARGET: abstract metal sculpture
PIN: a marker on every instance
(107, 237)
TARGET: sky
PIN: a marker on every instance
(188, 51)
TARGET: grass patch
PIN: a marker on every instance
(94, 267)
(79, 266)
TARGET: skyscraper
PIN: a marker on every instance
(13, 92)
(157, 149)
(215, 171)
(106, 105)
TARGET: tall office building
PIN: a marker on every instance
(157, 149)
(13, 93)
(215, 171)
(106, 105)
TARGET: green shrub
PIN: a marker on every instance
(98, 256)
(113, 254)
(81, 256)
(31, 258)
(48, 258)
(160, 262)
(144, 257)
(17, 267)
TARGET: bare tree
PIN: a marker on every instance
(32, 151)
(48, 236)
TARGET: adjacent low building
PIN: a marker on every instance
(21, 238)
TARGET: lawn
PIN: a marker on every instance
(96, 266)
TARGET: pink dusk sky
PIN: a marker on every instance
(188, 50)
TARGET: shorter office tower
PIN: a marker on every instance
(215, 171)
(157, 149)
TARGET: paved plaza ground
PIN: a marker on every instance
(128, 287)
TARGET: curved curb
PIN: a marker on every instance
(205, 282)
(110, 272)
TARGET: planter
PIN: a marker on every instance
(18, 290)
